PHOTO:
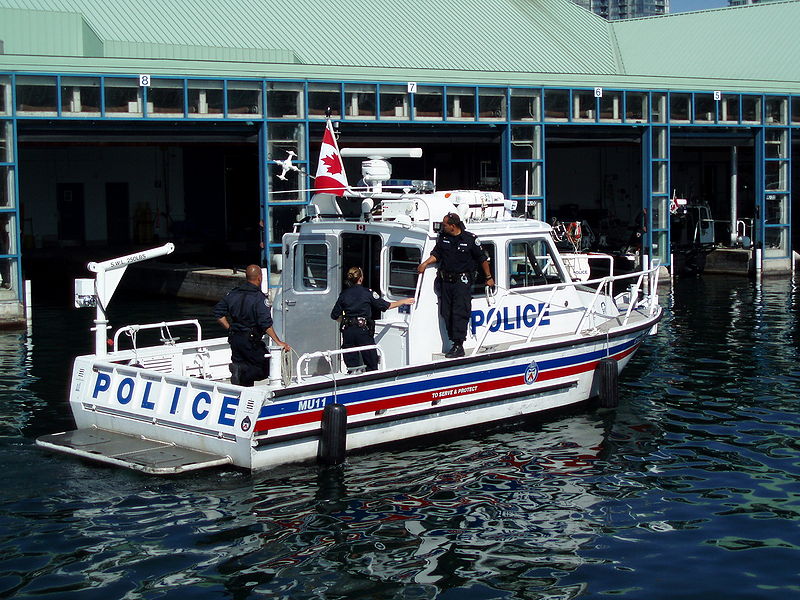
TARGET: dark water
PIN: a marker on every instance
(691, 489)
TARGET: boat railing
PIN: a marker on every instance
(166, 335)
(646, 281)
(328, 356)
(507, 293)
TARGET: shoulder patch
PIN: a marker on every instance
(477, 241)
(375, 295)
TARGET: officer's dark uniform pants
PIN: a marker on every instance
(352, 336)
(249, 355)
(455, 307)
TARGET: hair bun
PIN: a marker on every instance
(353, 275)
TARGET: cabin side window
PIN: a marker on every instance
(311, 267)
(479, 287)
(530, 263)
(403, 275)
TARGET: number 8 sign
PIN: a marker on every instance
(144, 80)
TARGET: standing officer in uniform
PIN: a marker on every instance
(458, 253)
(355, 304)
(246, 316)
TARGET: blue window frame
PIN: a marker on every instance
(525, 114)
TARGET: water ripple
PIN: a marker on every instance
(690, 489)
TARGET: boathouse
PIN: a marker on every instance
(123, 125)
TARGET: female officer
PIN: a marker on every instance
(355, 306)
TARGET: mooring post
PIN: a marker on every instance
(333, 439)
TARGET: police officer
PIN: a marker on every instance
(244, 313)
(355, 305)
(458, 253)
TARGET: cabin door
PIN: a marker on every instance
(311, 284)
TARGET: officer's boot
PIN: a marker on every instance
(236, 378)
(456, 351)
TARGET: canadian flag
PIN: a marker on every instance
(331, 177)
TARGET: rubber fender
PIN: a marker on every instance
(333, 439)
(607, 375)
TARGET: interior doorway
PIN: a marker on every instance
(118, 214)
(596, 180)
(71, 214)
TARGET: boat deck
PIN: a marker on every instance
(135, 452)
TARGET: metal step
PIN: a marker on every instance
(133, 452)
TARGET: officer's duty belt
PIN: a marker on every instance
(355, 322)
(453, 277)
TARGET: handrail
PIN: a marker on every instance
(539, 318)
(328, 353)
(412, 310)
(509, 294)
(132, 330)
(603, 284)
(650, 276)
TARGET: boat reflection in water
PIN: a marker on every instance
(511, 506)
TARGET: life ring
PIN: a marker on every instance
(574, 234)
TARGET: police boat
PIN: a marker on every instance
(540, 339)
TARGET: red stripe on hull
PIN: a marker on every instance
(315, 416)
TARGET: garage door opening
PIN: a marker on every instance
(93, 194)
(597, 181)
(715, 174)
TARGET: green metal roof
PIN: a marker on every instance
(757, 42)
(50, 32)
(515, 42)
(473, 35)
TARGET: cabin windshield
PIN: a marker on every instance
(531, 262)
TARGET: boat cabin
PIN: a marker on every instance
(392, 234)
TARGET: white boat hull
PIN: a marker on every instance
(257, 428)
(397, 405)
